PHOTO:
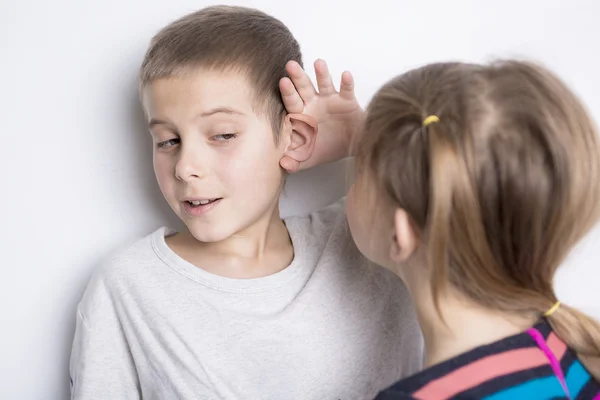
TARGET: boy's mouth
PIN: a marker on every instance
(198, 207)
(196, 203)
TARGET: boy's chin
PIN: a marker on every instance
(206, 234)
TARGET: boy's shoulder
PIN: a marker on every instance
(123, 269)
(132, 257)
(320, 223)
(326, 236)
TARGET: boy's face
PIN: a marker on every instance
(215, 158)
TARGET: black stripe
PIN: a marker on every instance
(393, 395)
(507, 381)
(591, 389)
(544, 328)
(568, 359)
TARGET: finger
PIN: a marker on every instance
(347, 86)
(289, 164)
(291, 99)
(301, 81)
(324, 82)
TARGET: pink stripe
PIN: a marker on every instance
(539, 339)
(597, 396)
(489, 368)
(557, 346)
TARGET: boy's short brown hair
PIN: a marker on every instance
(228, 38)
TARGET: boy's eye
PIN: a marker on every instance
(225, 137)
(168, 143)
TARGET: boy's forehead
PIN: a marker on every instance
(202, 90)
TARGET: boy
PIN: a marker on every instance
(241, 305)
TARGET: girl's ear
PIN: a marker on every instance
(302, 131)
(405, 238)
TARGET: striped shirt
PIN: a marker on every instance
(532, 365)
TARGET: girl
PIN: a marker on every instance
(473, 184)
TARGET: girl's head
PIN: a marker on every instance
(488, 201)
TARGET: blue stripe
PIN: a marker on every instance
(546, 388)
(577, 377)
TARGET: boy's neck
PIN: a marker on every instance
(262, 249)
(467, 325)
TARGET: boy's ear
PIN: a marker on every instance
(302, 131)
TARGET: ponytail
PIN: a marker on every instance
(581, 334)
(443, 163)
(454, 215)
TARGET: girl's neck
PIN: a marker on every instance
(465, 327)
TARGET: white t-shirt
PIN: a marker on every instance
(329, 326)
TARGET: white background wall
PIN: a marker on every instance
(75, 161)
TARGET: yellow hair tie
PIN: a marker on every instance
(552, 309)
(430, 120)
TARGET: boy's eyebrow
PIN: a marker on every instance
(224, 110)
(154, 121)
(218, 110)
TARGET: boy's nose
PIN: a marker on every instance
(189, 167)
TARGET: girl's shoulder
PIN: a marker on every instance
(512, 368)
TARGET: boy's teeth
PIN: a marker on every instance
(199, 202)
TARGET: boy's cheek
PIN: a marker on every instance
(162, 171)
(251, 164)
(165, 177)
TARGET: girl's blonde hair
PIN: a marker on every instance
(500, 188)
